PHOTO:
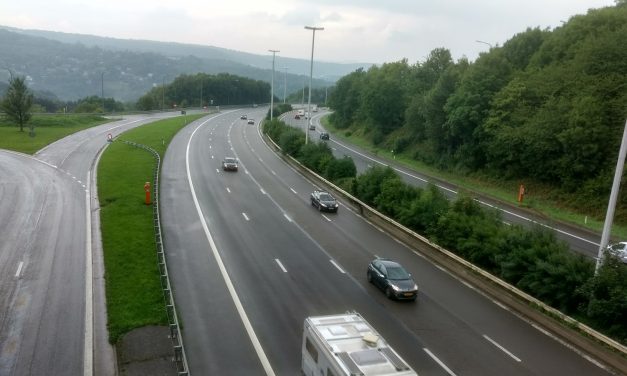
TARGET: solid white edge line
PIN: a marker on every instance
(281, 265)
(262, 191)
(287, 217)
(337, 266)
(88, 348)
(19, 269)
(225, 275)
(502, 348)
(441, 363)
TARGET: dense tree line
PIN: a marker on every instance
(548, 108)
(531, 259)
(205, 90)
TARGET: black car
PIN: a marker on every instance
(243, 117)
(324, 201)
(229, 164)
(324, 136)
(392, 279)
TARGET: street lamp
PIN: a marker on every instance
(480, 41)
(284, 85)
(272, 85)
(313, 37)
(102, 91)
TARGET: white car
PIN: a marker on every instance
(618, 250)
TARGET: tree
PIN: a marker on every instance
(18, 101)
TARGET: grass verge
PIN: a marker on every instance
(48, 129)
(538, 203)
(133, 288)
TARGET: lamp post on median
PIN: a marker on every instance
(313, 38)
(285, 85)
(102, 91)
(272, 85)
(480, 41)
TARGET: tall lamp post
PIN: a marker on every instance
(285, 85)
(480, 41)
(272, 85)
(102, 91)
(313, 37)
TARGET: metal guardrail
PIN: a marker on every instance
(173, 322)
(551, 315)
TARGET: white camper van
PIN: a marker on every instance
(346, 345)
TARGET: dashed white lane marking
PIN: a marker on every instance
(502, 348)
(287, 217)
(327, 218)
(212, 157)
(79, 182)
(337, 266)
(448, 370)
(246, 217)
(225, 275)
(281, 265)
(228, 189)
(218, 170)
(19, 269)
(292, 189)
(209, 145)
(273, 173)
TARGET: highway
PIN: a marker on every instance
(250, 258)
(579, 240)
(47, 314)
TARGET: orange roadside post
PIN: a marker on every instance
(521, 193)
(147, 189)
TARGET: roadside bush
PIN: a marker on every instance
(290, 142)
(316, 156)
(279, 109)
(395, 195)
(423, 212)
(607, 304)
(368, 185)
(337, 169)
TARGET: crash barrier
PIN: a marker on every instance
(175, 330)
(575, 334)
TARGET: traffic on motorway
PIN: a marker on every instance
(271, 263)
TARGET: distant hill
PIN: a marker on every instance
(74, 66)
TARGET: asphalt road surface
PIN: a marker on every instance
(46, 280)
(250, 258)
(579, 240)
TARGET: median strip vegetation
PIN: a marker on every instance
(133, 288)
(532, 260)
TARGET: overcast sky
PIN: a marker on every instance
(373, 31)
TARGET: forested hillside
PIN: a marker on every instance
(201, 90)
(547, 108)
(74, 70)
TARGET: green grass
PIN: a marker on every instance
(133, 288)
(48, 129)
(539, 203)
